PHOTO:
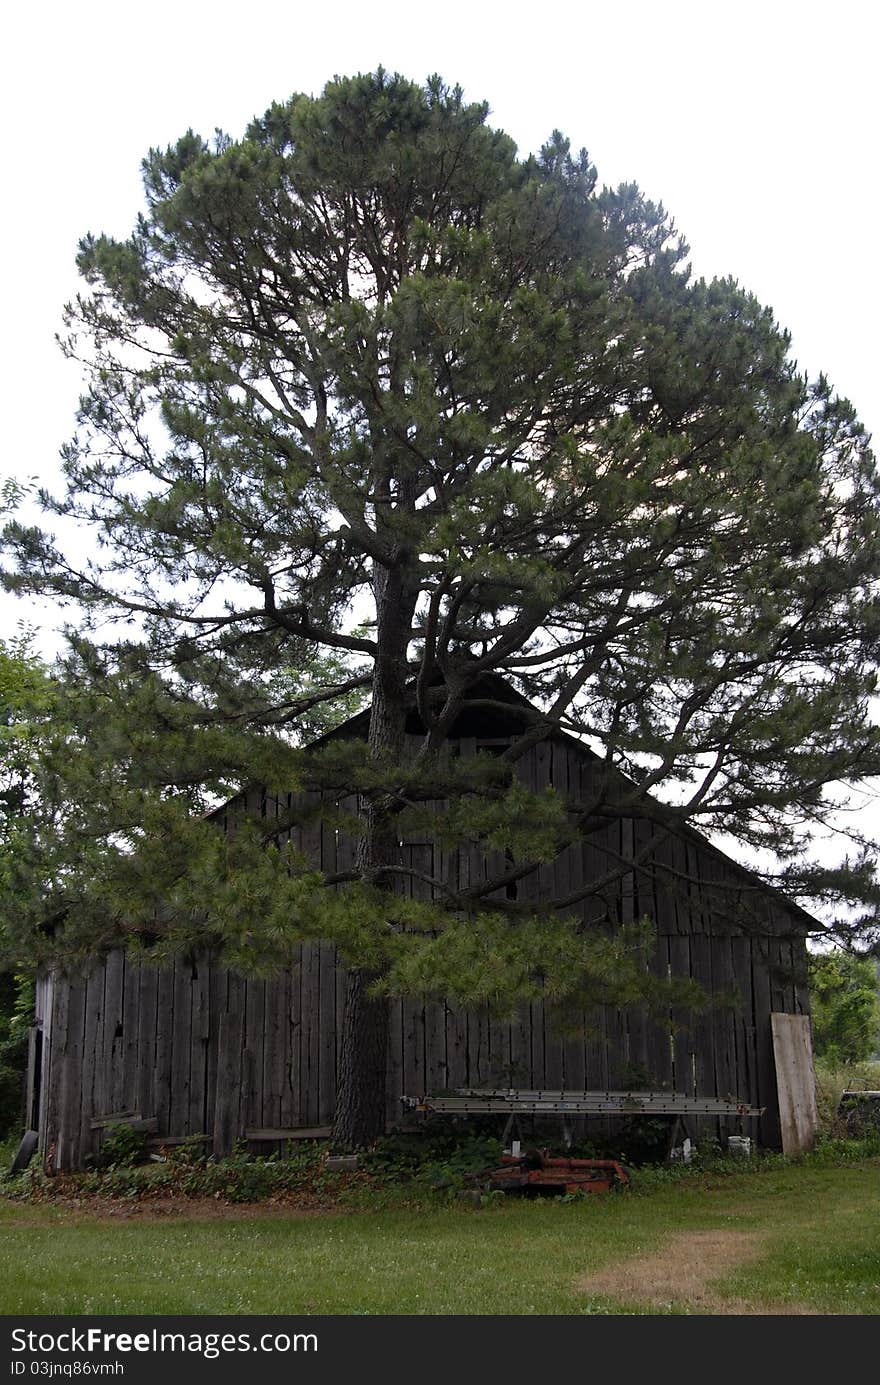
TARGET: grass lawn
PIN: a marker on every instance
(812, 1234)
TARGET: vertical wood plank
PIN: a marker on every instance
(499, 1050)
(456, 1047)
(479, 1056)
(217, 989)
(413, 1016)
(436, 1069)
(60, 995)
(395, 1086)
(661, 1034)
(68, 1144)
(340, 972)
(45, 990)
(595, 1052)
(536, 1043)
(274, 1049)
(744, 1027)
(200, 1034)
(255, 1034)
(635, 905)
(311, 1000)
(180, 1051)
(131, 1004)
(95, 1099)
(111, 1059)
(338, 853)
(679, 952)
(703, 1032)
(145, 1081)
(327, 1056)
(227, 1098)
(718, 889)
(770, 1132)
(292, 1112)
(554, 1075)
(521, 1047)
(318, 844)
(796, 1083)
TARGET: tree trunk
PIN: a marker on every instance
(360, 1089)
(360, 1099)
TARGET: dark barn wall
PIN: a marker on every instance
(199, 1050)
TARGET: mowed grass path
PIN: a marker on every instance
(819, 1252)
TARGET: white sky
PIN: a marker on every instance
(755, 124)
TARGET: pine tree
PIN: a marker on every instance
(365, 386)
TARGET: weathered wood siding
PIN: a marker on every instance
(208, 1053)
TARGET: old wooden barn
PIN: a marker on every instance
(195, 1050)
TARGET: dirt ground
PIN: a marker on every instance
(200, 1208)
(161, 1209)
(683, 1273)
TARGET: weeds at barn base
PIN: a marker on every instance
(396, 1173)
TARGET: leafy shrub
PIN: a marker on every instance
(438, 1158)
(242, 1178)
(186, 1171)
(122, 1147)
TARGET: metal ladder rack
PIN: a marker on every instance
(514, 1102)
(576, 1103)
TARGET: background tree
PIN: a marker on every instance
(367, 365)
(26, 704)
(846, 1006)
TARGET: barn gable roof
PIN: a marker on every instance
(494, 710)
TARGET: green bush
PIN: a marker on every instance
(184, 1171)
(241, 1177)
(123, 1146)
(439, 1158)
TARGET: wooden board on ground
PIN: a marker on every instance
(795, 1082)
(292, 1132)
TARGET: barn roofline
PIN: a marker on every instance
(493, 687)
